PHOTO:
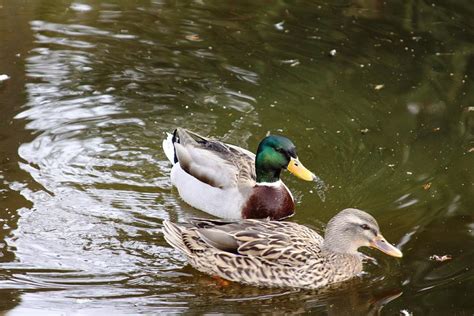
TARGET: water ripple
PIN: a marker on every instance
(105, 81)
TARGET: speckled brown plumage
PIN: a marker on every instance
(276, 253)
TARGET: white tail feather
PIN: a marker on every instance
(168, 147)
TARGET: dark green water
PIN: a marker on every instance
(387, 122)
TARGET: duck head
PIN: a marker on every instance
(351, 229)
(275, 153)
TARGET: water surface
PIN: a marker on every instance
(377, 96)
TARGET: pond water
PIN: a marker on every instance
(377, 95)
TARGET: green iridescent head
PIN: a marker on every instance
(274, 154)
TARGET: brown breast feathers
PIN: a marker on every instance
(269, 201)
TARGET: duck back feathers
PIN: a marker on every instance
(262, 253)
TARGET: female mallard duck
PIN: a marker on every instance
(230, 182)
(276, 253)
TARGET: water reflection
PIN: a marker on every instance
(386, 121)
(355, 297)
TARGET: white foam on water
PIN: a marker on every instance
(80, 7)
(4, 77)
(321, 188)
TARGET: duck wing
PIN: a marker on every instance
(214, 162)
(282, 243)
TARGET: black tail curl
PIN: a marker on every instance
(175, 139)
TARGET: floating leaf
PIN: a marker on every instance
(440, 258)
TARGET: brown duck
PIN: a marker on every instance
(277, 253)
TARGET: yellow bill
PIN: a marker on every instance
(383, 245)
(297, 168)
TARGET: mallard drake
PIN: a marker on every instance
(231, 182)
(279, 253)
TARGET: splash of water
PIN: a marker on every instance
(321, 187)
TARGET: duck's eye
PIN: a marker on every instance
(365, 227)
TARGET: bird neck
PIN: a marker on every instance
(343, 264)
(267, 175)
(265, 168)
(337, 243)
(269, 163)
